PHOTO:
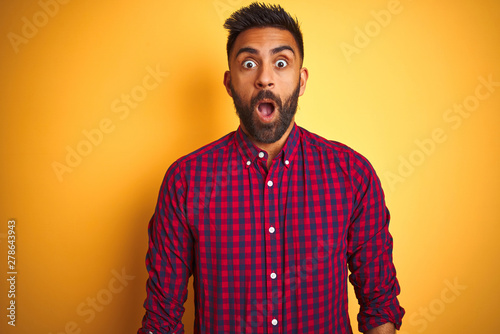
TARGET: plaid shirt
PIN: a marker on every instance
(270, 249)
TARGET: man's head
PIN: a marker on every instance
(259, 15)
(265, 77)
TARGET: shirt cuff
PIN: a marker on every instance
(371, 317)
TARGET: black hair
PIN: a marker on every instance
(261, 15)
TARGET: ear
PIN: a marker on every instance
(227, 82)
(304, 75)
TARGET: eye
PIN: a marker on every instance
(249, 64)
(281, 63)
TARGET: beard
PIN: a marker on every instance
(266, 132)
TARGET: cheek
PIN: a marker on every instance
(288, 77)
(243, 79)
(243, 87)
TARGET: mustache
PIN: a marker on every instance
(266, 94)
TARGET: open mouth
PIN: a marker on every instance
(266, 109)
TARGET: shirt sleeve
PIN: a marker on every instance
(168, 260)
(373, 274)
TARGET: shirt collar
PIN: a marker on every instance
(250, 151)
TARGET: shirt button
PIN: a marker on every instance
(271, 229)
(287, 162)
(261, 155)
(273, 275)
(274, 322)
(269, 183)
(249, 163)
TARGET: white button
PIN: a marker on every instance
(248, 163)
(261, 155)
(271, 229)
(270, 183)
(273, 275)
(274, 322)
(287, 162)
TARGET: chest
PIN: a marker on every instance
(235, 207)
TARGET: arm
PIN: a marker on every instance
(387, 328)
(370, 252)
(168, 260)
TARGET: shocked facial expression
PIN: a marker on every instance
(265, 80)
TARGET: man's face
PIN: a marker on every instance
(265, 80)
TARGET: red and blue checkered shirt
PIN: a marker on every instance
(270, 249)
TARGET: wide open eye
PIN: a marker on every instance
(249, 64)
(281, 63)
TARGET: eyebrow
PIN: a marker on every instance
(273, 51)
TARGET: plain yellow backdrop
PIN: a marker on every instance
(98, 98)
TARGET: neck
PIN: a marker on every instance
(272, 149)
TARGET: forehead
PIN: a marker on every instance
(264, 39)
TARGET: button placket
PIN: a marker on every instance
(271, 192)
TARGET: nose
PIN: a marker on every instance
(265, 77)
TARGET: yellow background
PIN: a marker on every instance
(75, 232)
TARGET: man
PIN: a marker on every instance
(269, 218)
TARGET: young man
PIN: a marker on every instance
(270, 217)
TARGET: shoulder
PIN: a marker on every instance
(204, 153)
(341, 158)
(332, 148)
(214, 148)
